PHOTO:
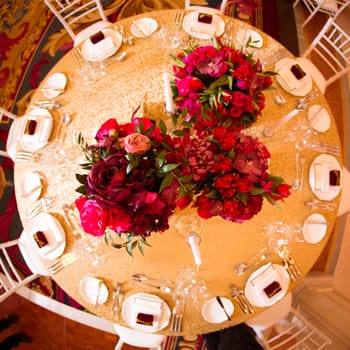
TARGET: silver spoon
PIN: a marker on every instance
(118, 58)
(140, 277)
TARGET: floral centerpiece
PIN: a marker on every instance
(129, 187)
(138, 174)
(218, 85)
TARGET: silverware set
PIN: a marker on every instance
(259, 257)
(177, 315)
(301, 105)
(291, 267)
(71, 220)
(129, 39)
(179, 16)
(62, 262)
(241, 299)
(118, 296)
(24, 156)
(316, 204)
(43, 204)
(323, 148)
(46, 104)
(77, 55)
(289, 264)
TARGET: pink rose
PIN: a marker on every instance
(136, 143)
(92, 217)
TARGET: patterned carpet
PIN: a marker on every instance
(31, 41)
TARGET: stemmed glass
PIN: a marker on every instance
(190, 286)
(189, 226)
(279, 235)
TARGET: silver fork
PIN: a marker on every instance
(241, 299)
(179, 15)
(177, 315)
(129, 39)
(301, 105)
(24, 156)
(324, 148)
(43, 205)
(77, 55)
(62, 262)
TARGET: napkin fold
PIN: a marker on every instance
(267, 283)
(42, 130)
(321, 172)
(288, 78)
(146, 309)
(101, 47)
(205, 28)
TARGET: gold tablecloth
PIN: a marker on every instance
(223, 243)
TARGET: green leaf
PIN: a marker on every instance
(81, 178)
(81, 189)
(168, 167)
(162, 127)
(166, 182)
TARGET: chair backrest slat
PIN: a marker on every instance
(70, 12)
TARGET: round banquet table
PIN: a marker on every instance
(223, 244)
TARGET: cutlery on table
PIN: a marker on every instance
(140, 277)
(117, 300)
(25, 156)
(139, 29)
(62, 262)
(43, 205)
(177, 315)
(290, 265)
(278, 97)
(52, 90)
(161, 288)
(99, 287)
(296, 180)
(71, 221)
(241, 299)
(321, 147)
(114, 59)
(46, 104)
(218, 299)
(302, 171)
(179, 16)
(77, 56)
(317, 204)
(256, 259)
(300, 106)
(65, 120)
(126, 38)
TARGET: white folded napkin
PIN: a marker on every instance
(101, 47)
(42, 130)
(147, 306)
(205, 28)
(321, 171)
(265, 279)
(288, 78)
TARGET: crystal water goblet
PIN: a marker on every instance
(189, 226)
